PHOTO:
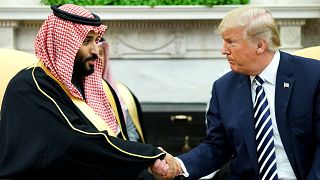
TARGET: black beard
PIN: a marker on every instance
(80, 70)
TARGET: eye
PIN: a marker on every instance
(86, 41)
(231, 42)
(228, 41)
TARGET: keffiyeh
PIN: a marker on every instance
(57, 44)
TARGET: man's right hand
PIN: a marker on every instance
(167, 168)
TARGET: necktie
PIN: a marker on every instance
(264, 134)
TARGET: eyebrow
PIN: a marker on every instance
(89, 37)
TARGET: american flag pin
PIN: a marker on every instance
(285, 85)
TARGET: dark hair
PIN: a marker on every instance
(102, 40)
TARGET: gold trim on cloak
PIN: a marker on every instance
(81, 131)
(95, 119)
(132, 108)
(113, 105)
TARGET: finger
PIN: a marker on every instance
(165, 170)
(156, 166)
(162, 168)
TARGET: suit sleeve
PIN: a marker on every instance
(214, 151)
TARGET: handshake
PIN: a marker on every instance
(168, 168)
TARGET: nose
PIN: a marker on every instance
(225, 50)
(94, 49)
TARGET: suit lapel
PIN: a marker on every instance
(246, 120)
(284, 86)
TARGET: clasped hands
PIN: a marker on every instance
(168, 168)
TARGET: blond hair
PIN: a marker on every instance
(258, 24)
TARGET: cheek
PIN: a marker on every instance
(82, 53)
(242, 52)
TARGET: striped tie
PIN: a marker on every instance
(264, 135)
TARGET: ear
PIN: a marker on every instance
(261, 46)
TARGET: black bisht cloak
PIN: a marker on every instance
(40, 141)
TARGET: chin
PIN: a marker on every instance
(236, 69)
(89, 71)
(233, 68)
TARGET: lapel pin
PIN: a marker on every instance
(285, 85)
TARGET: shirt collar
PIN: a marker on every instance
(269, 74)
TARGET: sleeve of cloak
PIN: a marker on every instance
(36, 140)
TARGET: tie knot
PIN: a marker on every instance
(259, 80)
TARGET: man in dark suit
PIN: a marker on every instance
(264, 115)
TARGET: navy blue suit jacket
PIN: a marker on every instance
(230, 132)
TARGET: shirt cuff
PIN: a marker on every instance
(183, 167)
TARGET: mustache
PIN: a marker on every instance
(92, 57)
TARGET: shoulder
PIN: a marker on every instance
(27, 76)
(298, 60)
(300, 65)
(22, 79)
(31, 79)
